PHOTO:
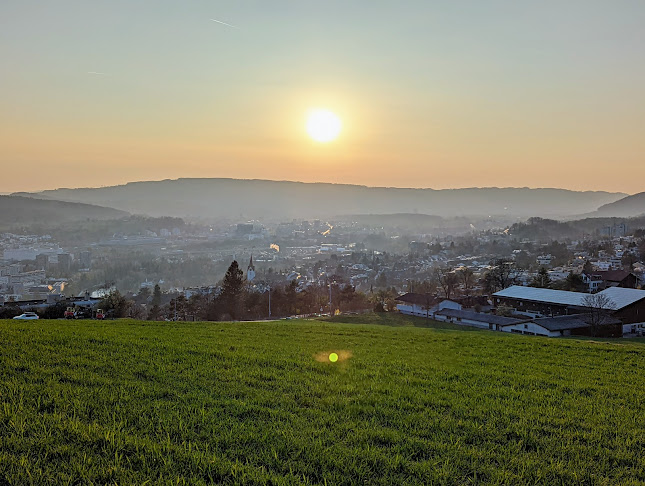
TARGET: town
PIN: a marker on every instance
(170, 269)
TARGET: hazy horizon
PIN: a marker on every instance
(311, 182)
(475, 94)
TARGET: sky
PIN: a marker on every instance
(440, 94)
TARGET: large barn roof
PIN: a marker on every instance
(621, 297)
(419, 299)
(575, 321)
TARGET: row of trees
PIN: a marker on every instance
(239, 301)
(502, 274)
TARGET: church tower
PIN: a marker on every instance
(250, 271)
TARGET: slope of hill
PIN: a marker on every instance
(625, 208)
(126, 402)
(235, 198)
(16, 210)
(544, 229)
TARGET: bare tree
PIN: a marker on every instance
(467, 278)
(427, 289)
(599, 309)
(503, 274)
(447, 279)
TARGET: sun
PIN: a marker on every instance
(323, 125)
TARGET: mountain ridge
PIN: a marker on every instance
(19, 210)
(629, 206)
(259, 198)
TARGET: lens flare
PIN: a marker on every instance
(338, 356)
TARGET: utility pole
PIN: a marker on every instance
(330, 311)
(269, 302)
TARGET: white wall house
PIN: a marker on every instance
(475, 319)
(593, 282)
(633, 330)
(417, 305)
(533, 329)
(545, 259)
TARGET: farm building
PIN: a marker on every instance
(476, 319)
(571, 325)
(625, 305)
(422, 305)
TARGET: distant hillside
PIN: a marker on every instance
(626, 207)
(390, 219)
(236, 199)
(16, 210)
(541, 229)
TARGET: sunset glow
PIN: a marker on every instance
(235, 93)
(323, 125)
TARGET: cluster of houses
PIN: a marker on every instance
(612, 312)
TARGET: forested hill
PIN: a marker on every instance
(24, 211)
(249, 199)
(545, 229)
(626, 207)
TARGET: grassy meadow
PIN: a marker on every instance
(408, 402)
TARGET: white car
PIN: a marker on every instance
(27, 316)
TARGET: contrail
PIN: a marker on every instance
(220, 22)
(96, 72)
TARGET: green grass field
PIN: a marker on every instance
(127, 402)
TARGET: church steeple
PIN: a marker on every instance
(250, 271)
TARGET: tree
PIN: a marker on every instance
(156, 295)
(155, 310)
(641, 250)
(467, 279)
(232, 288)
(137, 311)
(428, 302)
(291, 297)
(447, 280)
(56, 311)
(381, 280)
(348, 296)
(435, 248)
(574, 282)
(524, 260)
(384, 300)
(628, 260)
(144, 294)
(542, 279)
(587, 268)
(116, 304)
(503, 274)
(599, 309)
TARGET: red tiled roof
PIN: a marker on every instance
(419, 299)
(613, 275)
